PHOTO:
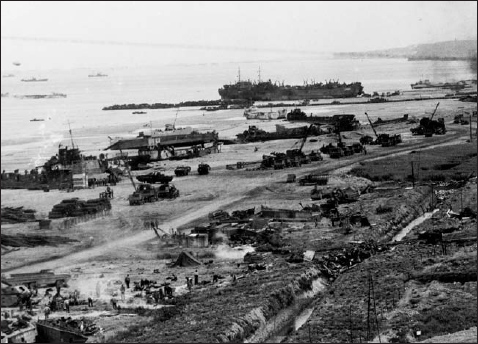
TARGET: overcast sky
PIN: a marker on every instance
(190, 32)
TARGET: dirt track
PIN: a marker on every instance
(129, 241)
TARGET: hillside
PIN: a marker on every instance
(450, 50)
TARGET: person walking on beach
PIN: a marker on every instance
(67, 305)
(114, 303)
(90, 302)
(123, 290)
(127, 280)
(47, 312)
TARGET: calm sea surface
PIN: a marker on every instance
(28, 144)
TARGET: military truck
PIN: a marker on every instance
(155, 177)
(314, 179)
(144, 193)
(336, 152)
(315, 156)
(182, 171)
(204, 169)
(168, 191)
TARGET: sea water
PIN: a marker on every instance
(27, 144)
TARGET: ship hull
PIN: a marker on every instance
(51, 334)
(269, 92)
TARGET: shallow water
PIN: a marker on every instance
(26, 144)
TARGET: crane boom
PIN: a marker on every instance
(433, 114)
(128, 169)
(305, 137)
(366, 114)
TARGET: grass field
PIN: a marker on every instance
(437, 164)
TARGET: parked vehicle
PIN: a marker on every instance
(291, 178)
(314, 179)
(168, 191)
(155, 177)
(182, 171)
(203, 169)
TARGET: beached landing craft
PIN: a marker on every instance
(254, 113)
(172, 143)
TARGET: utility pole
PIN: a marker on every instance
(413, 175)
(461, 194)
(368, 308)
(471, 133)
(375, 310)
(431, 205)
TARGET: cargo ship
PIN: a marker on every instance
(97, 75)
(34, 80)
(267, 91)
(428, 84)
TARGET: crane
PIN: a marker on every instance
(366, 114)
(174, 124)
(304, 139)
(71, 135)
(128, 169)
(434, 111)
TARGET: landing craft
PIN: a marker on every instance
(17, 63)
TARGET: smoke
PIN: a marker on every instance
(222, 236)
(472, 63)
(95, 287)
(227, 252)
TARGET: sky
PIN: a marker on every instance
(70, 34)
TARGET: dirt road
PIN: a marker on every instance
(65, 262)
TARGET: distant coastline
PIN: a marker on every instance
(441, 51)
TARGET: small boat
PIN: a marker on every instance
(139, 112)
(97, 75)
(8, 76)
(59, 331)
(37, 120)
(34, 80)
(254, 113)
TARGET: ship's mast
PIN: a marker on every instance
(71, 135)
(239, 74)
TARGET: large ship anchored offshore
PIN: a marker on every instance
(266, 90)
(33, 79)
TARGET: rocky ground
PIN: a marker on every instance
(411, 284)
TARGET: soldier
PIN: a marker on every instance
(127, 280)
(47, 312)
(123, 290)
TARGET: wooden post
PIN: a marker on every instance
(413, 175)
(471, 134)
